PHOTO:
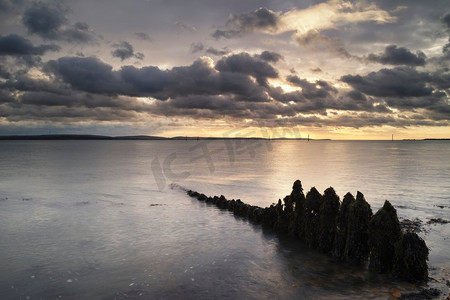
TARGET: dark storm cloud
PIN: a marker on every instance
(24, 83)
(319, 89)
(86, 74)
(270, 56)
(319, 96)
(82, 100)
(246, 64)
(85, 88)
(406, 90)
(231, 77)
(92, 75)
(352, 120)
(203, 79)
(415, 103)
(441, 79)
(16, 45)
(50, 22)
(145, 80)
(397, 82)
(217, 52)
(260, 19)
(5, 97)
(45, 20)
(69, 107)
(64, 114)
(357, 96)
(4, 73)
(445, 19)
(393, 55)
(124, 50)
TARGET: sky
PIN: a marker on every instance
(329, 69)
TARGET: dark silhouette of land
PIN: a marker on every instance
(131, 137)
(151, 137)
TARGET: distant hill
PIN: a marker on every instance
(132, 137)
(78, 137)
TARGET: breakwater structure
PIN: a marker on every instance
(347, 230)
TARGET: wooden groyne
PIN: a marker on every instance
(346, 230)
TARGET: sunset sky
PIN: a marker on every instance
(330, 69)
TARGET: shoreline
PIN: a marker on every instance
(177, 138)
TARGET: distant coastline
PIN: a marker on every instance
(152, 138)
(429, 139)
(131, 137)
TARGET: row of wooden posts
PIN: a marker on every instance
(346, 230)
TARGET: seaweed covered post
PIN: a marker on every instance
(282, 222)
(384, 233)
(357, 242)
(298, 199)
(341, 226)
(411, 256)
(238, 207)
(348, 232)
(269, 216)
(311, 221)
(328, 212)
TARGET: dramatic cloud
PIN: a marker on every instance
(262, 19)
(235, 87)
(398, 56)
(318, 17)
(124, 50)
(269, 63)
(246, 64)
(5, 97)
(16, 45)
(49, 21)
(319, 89)
(397, 82)
(45, 20)
(86, 74)
(92, 75)
(307, 26)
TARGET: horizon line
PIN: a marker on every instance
(151, 137)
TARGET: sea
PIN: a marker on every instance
(108, 219)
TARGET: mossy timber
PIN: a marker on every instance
(346, 230)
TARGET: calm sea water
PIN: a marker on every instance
(99, 220)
